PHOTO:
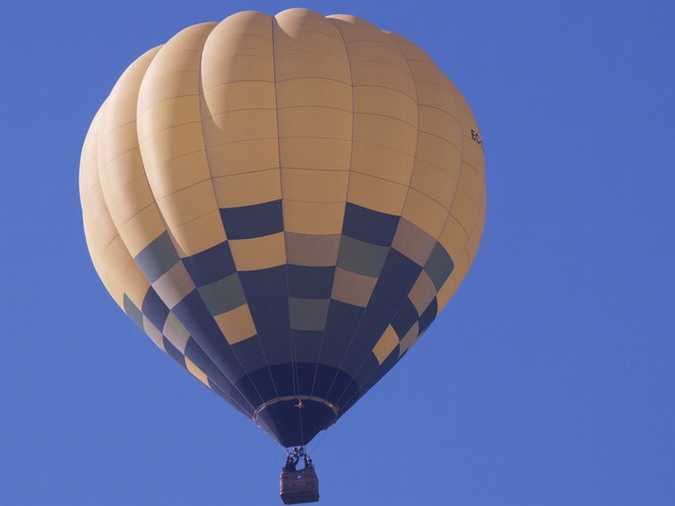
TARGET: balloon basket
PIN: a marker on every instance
(298, 487)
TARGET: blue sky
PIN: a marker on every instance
(548, 380)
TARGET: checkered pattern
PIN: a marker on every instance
(290, 225)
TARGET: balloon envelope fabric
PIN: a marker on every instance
(284, 204)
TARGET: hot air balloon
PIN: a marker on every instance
(283, 205)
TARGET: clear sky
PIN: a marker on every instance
(548, 380)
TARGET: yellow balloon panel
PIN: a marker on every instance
(294, 196)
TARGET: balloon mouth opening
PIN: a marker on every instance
(300, 401)
(295, 420)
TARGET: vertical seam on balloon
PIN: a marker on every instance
(405, 200)
(164, 224)
(412, 169)
(119, 280)
(132, 262)
(412, 75)
(208, 167)
(144, 176)
(291, 332)
(349, 177)
(370, 376)
(96, 122)
(202, 99)
(168, 231)
(199, 98)
(363, 312)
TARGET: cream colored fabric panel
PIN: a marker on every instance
(465, 209)
(239, 35)
(320, 120)
(239, 122)
(357, 29)
(307, 45)
(437, 96)
(295, 67)
(386, 163)
(375, 59)
(235, 94)
(238, 113)
(111, 258)
(385, 131)
(243, 157)
(237, 325)
(314, 113)
(315, 153)
(436, 151)
(365, 50)
(454, 238)
(442, 119)
(382, 82)
(196, 372)
(385, 102)
(473, 153)
(468, 212)
(314, 38)
(176, 66)
(88, 178)
(297, 20)
(99, 230)
(462, 264)
(436, 90)
(473, 144)
(172, 142)
(317, 218)
(424, 212)
(115, 266)
(435, 183)
(239, 126)
(116, 259)
(422, 205)
(258, 253)
(440, 169)
(313, 91)
(437, 122)
(248, 188)
(473, 182)
(122, 174)
(142, 229)
(386, 344)
(376, 193)
(383, 75)
(410, 50)
(439, 153)
(100, 233)
(385, 117)
(307, 185)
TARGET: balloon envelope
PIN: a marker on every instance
(284, 204)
